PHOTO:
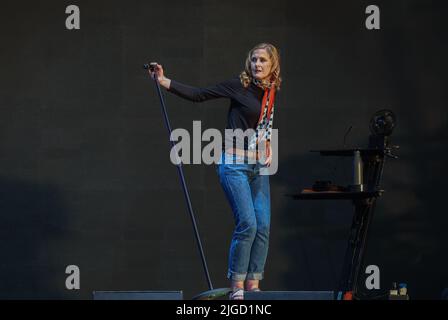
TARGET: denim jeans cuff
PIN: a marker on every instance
(254, 276)
(236, 276)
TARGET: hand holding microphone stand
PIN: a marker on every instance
(211, 293)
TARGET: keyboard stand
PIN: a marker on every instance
(367, 172)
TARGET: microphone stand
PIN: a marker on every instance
(211, 293)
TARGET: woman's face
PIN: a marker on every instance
(260, 64)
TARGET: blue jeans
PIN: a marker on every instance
(249, 196)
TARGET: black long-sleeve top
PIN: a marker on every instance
(245, 103)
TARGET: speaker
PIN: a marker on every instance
(137, 295)
(288, 295)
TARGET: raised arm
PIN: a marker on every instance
(223, 89)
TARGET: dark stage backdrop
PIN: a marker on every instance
(85, 174)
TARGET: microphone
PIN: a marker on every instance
(150, 66)
(346, 134)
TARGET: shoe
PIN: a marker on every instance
(238, 294)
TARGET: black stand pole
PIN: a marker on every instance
(212, 293)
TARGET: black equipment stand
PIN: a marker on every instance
(368, 167)
(211, 293)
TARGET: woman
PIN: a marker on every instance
(252, 96)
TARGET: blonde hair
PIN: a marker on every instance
(275, 79)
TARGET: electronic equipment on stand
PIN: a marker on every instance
(368, 164)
